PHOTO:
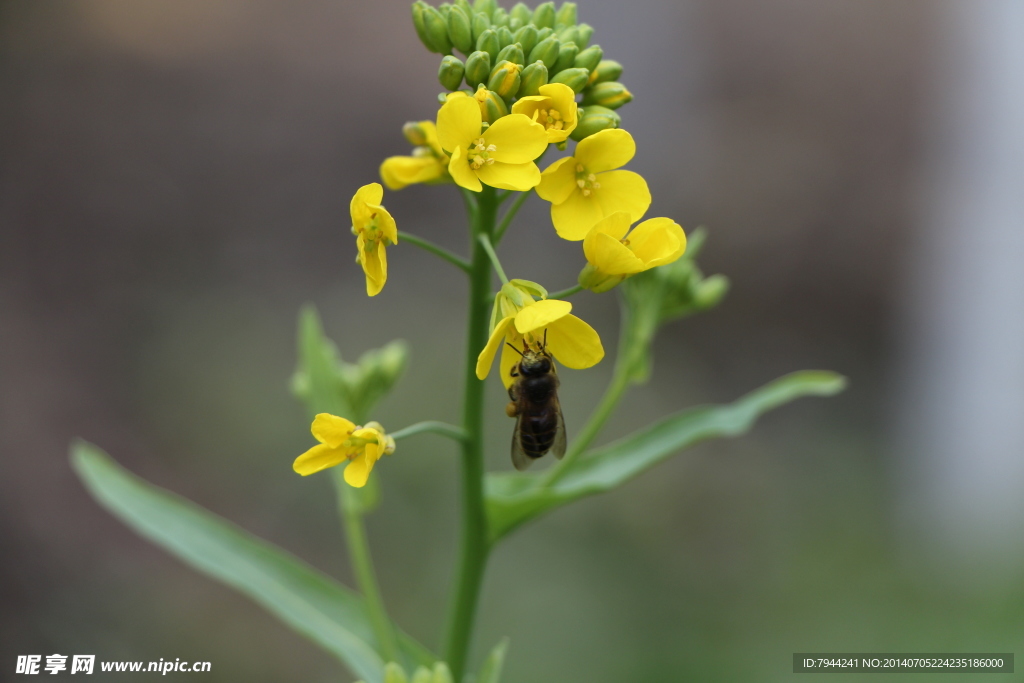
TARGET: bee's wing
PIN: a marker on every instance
(519, 457)
(558, 446)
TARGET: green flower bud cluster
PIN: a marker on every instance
(512, 53)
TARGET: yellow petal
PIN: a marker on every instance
(375, 265)
(610, 256)
(398, 172)
(331, 429)
(509, 358)
(359, 208)
(574, 343)
(358, 471)
(564, 100)
(430, 131)
(518, 177)
(516, 138)
(458, 123)
(541, 314)
(605, 150)
(623, 191)
(486, 357)
(317, 458)
(558, 181)
(615, 225)
(574, 217)
(386, 224)
(461, 173)
(528, 106)
(658, 241)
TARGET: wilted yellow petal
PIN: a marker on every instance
(541, 314)
(486, 357)
(458, 123)
(574, 217)
(658, 241)
(605, 150)
(623, 191)
(517, 139)
(317, 458)
(558, 181)
(375, 266)
(461, 173)
(331, 429)
(517, 177)
(574, 343)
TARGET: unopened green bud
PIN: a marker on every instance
(566, 15)
(584, 32)
(566, 56)
(419, 23)
(488, 42)
(545, 33)
(481, 22)
(568, 35)
(450, 72)
(465, 7)
(611, 94)
(514, 24)
(460, 30)
(522, 13)
(415, 134)
(574, 78)
(527, 37)
(589, 59)
(492, 106)
(499, 17)
(544, 15)
(711, 291)
(504, 36)
(546, 51)
(478, 68)
(422, 675)
(437, 30)
(485, 6)
(531, 78)
(505, 79)
(393, 673)
(606, 70)
(594, 119)
(444, 8)
(512, 53)
(441, 673)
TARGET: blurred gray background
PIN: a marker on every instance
(174, 185)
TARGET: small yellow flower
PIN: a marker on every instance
(612, 255)
(501, 156)
(428, 163)
(374, 229)
(340, 441)
(572, 342)
(554, 108)
(585, 188)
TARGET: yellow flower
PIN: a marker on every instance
(341, 440)
(612, 255)
(584, 188)
(374, 229)
(428, 163)
(572, 342)
(554, 108)
(501, 156)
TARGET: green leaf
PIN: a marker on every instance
(311, 603)
(490, 672)
(515, 498)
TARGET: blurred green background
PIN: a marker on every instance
(174, 185)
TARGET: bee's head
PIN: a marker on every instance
(535, 363)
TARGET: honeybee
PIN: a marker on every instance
(540, 428)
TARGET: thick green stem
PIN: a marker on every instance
(351, 513)
(474, 547)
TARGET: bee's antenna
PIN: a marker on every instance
(544, 347)
(515, 349)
